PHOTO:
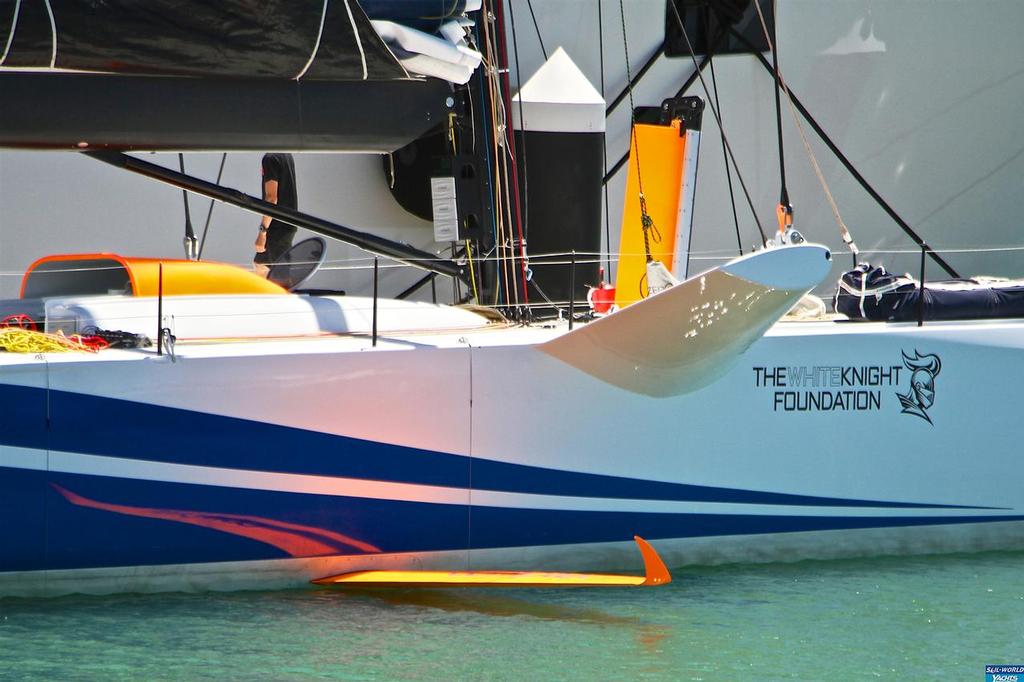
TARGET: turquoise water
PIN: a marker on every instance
(922, 618)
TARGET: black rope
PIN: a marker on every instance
(209, 213)
(646, 223)
(909, 231)
(546, 297)
(629, 91)
(725, 155)
(690, 80)
(609, 174)
(536, 27)
(783, 192)
(718, 119)
(520, 153)
(636, 79)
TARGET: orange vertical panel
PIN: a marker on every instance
(656, 159)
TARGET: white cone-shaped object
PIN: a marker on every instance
(558, 98)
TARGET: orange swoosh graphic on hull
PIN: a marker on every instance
(292, 538)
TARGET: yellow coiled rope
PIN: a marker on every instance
(17, 340)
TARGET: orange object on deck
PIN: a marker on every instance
(784, 215)
(660, 150)
(654, 568)
(108, 273)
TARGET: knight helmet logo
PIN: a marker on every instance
(921, 396)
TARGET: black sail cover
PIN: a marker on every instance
(278, 39)
(225, 75)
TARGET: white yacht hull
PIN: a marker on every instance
(230, 468)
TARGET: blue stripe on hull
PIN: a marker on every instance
(98, 521)
(23, 417)
(22, 519)
(120, 428)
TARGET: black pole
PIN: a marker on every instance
(572, 289)
(160, 309)
(920, 300)
(375, 301)
(368, 242)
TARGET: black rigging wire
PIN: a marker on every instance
(861, 180)
(636, 79)
(646, 223)
(520, 152)
(629, 90)
(725, 155)
(718, 119)
(609, 174)
(209, 213)
(783, 192)
(536, 27)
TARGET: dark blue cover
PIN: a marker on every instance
(900, 297)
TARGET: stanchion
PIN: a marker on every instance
(375, 301)
(920, 298)
(572, 289)
(160, 309)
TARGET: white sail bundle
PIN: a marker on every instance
(444, 55)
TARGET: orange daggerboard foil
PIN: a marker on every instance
(660, 150)
(655, 573)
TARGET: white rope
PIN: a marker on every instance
(863, 293)
(563, 258)
(53, 30)
(365, 263)
(316, 47)
(359, 42)
(10, 36)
